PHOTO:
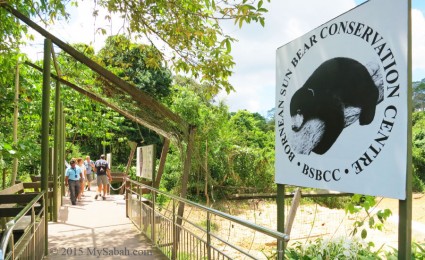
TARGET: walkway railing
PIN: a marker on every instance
(202, 232)
(30, 222)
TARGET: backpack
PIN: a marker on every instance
(101, 167)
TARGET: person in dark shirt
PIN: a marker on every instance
(103, 176)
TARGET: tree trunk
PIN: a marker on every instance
(206, 174)
(15, 125)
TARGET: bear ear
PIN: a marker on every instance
(312, 91)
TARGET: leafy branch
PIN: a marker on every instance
(361, 203)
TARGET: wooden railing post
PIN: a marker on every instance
(174, 253)
(153, 218)
(127, 207)
(208, 235)
(33, 232)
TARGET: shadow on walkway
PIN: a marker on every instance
(97, 229)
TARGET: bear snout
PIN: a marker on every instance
(295, 128)
(297, 122)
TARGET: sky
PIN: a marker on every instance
(255, 51)
(255, 54)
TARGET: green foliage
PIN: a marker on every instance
(137, 64)
(187, 34)
(195, 45)
(417, 184)
(361, 203)
(213, 226)
(333, 202)
(12, 31)
(91, 125)
(418, 252)
(190, 30)
(173, 169)
(418, 150)
(231, 149)
(27, 148)
(341, 248)
(419, 96)
(346, 248)
(252, 151)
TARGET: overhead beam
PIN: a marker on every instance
(96, 98)
(134, 92)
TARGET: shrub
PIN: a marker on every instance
(418, 252)
(417, 183)
(333, 202)
(340, 248)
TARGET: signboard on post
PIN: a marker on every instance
(145, 164)
(342, 103)
(109, 160)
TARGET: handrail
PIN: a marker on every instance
(264, 230)
(12, 223)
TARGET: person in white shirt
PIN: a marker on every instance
(83, 175)
(89, 164)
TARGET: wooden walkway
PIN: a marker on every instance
(95, 229)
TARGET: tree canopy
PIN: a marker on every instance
(133, 63)
(186, 34)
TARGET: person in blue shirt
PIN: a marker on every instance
(72, 178)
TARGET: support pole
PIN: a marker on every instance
(62, 150)
(161, 166)
(153, 229)
(56, 142)
(49, 179)
(405, 206)
(280, 201)
(45, 133)
(185, 179)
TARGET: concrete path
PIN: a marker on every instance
(97, 229)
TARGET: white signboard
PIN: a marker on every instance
(109, 160)
(145, 164)
(341, 103)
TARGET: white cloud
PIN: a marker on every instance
(254, 54)
(418, 44)
(82, 28)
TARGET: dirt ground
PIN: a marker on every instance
(314, 221)
(418, 207)
(418, 215)
(311, 222)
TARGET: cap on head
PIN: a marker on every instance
(102, 156)
(71, 162)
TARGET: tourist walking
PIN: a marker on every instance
(80, 163)
(89, 171)
(72, 180)
(103, 176)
